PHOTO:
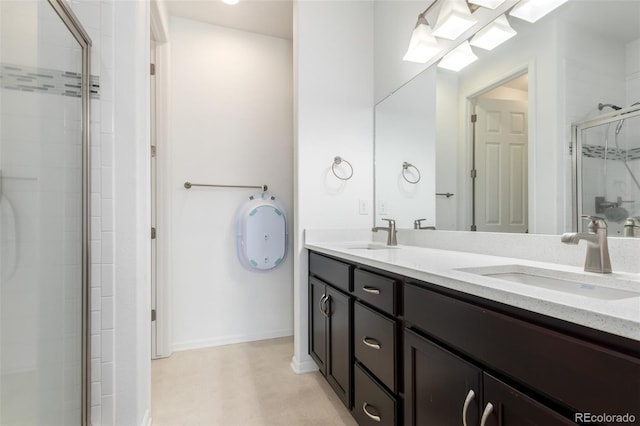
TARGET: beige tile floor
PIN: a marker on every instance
(245, 384)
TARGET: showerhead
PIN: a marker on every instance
(601, 106)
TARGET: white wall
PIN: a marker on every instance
(231, 123)
(333, 67)
(131, 198)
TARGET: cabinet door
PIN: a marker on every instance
(318, 323)
(439, 385)
(339, 359)
(511, 408)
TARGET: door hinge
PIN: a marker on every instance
(153, 69)
(153, 315)
(154, 151)
(474, 118)
(474, 174)
(153, 233)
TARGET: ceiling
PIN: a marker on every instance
(270, 17)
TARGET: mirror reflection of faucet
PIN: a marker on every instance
(417, 224)
(597, 258)
(632, 227)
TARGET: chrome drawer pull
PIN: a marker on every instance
(374, 345)
(485, 415)
(371, 290)
(373, 416)
(467, 402)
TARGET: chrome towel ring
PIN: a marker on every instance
(338, 160)
(405, 167)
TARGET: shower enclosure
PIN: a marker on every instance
(44, 140)
(606, 158)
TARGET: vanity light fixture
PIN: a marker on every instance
(423, 45)
(493, 34)
(489, 4)
(532, 10)
(458, 58)
(453, 20)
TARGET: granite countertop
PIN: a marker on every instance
(619, 316)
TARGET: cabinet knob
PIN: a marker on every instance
(465, 407)
(373, 416)
(488, 409)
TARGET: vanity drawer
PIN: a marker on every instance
(375, 342)
(373, 405)
(376, 290)
(540, 358)
(331, 271)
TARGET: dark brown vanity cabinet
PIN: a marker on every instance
(553, 376)
(443, 389)
(504, 405)
(376, 338)
(421, 354)
(330, 329)
(373, 404)
(440, 388)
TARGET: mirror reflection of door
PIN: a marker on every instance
(501, 199)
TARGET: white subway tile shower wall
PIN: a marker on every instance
(97, 19)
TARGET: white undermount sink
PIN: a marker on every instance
(372, 246)
(603, 287)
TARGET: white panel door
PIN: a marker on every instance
(501, 164)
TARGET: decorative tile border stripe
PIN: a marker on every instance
(597, 151)
(45, 80)
(633, 154)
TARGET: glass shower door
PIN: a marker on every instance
(43, 268)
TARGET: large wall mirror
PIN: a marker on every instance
(524, 96)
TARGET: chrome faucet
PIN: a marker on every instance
(632, 227)
(391, 229)
(418, 225)
(597, 259)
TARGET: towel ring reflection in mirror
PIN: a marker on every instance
(337, 161)
(405, 167)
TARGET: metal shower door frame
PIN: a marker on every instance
(576, 153)
(74, 26)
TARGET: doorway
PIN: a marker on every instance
(159, 166)
(500, 158)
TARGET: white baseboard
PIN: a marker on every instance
(302, 366)
(229, 340)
